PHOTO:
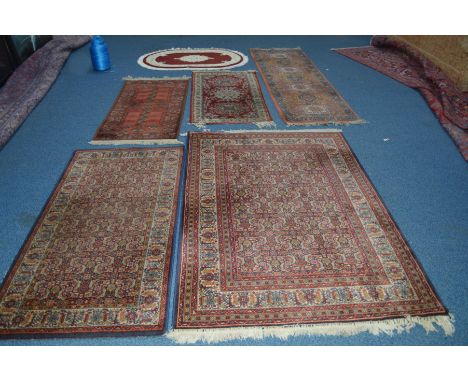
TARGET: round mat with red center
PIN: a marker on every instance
(187, 59)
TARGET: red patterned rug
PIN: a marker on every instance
(147, 111)
(187, 59)
(98, 257)
(286, 229)
(227, 97)
(301, 93)
(401, 62)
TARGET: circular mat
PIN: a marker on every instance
(188, 59)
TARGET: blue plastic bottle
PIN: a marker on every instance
(99, 54)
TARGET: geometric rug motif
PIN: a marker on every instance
(147, 110)
(188, 59)
(301, 93)
(98, 257)
(285, 228)
(227, 97)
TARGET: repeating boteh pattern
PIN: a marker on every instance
(285, 228)
(98, 258)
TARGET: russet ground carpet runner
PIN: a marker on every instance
(301, 93)
(286, 229)
(98, 257)
(147, 110)
(227, 97)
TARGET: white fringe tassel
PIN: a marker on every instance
(138, 142)
(260, 125)
(199, 125)
(265, 124)
(275, 131)
(329, 123)
(389, 327)
(130, 78)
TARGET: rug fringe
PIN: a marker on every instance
(351, 47)
(265, 124)
(130, 78)
(199, 125)
(330, 123)
(388, 326)
(138, 142)
(326, 130)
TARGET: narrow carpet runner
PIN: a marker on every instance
(405, 64)
(228, 97)
(98, 257)
(147, 111)
(301, 93)
(286, 229)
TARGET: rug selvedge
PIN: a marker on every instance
(286, 229)
(98, 258)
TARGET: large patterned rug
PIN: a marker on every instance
(188, 59)
(227, 97)
(301, 93)
(403, 63)
(147, 111)
(286, 229)
(98, 257)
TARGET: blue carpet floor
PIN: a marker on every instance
(416, 168)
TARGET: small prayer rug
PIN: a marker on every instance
(286, 229)
(227, 97)
(147, 111)
(98, 257)
(188, 59)
(301, 93)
